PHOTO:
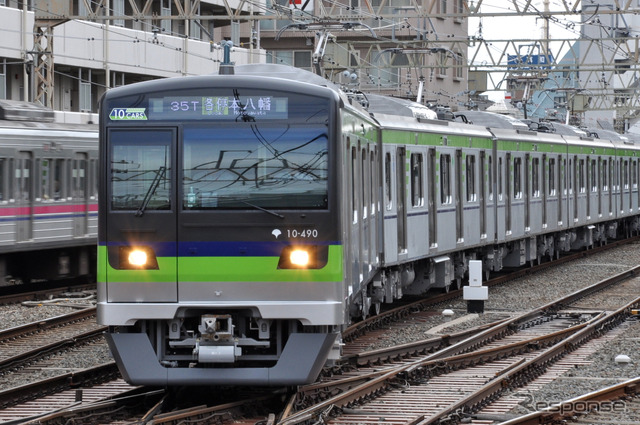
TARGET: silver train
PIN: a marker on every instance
(48, 196)
(273, 210)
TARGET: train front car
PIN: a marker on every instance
(220, 259)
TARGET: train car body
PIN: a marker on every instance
(224, 182)
(48, 197)
(245, 220)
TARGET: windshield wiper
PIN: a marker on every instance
(152, 189)
(262, 209)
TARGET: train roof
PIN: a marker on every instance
(398, 122)
(557, 128)
(490, 119)
(379, 104)
(599, 133)
(284, 72)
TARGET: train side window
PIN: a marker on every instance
(93, 179)
(594, 176)
(569, 176)
(78, 176)
(605, 176)
(364, 180)
(23, 176)
(500, 171)
(634, 174)
(517, 178)
(417, 173)
(58, 176)
(552, 177)
(490, 179)
(581, 176)
(10, 174)
(625, 174)
(387, 181)
(535, 177)
(2, 180)
(471, 178)
(445, 179)
(374, 181)
(354, 166)
(44, 173)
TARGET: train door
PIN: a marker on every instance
(376, 222)
(481, 195)
(600, 186)
(527, 191)
(545, 188)
(431, 196)
(573, 187)
(79, 191)
(459, 198)
(141, 218)
(507, 193)
(24, 196)
(365, 239)
(356, 216)
(401, 182)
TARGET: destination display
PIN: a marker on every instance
(239, 108)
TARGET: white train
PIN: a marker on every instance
(48, 196)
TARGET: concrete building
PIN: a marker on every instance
(91, 55)
(367, 45)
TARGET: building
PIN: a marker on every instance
(399, 48)
(376, 45)
(93, 54)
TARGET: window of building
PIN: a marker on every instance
(383, 75)
(458, 65)
(442, 64)
(84, 93)
(442, 6)
(299, 59)
(118, 10)
(165, 10)
(458, 7)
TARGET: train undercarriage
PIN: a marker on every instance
(450, 271)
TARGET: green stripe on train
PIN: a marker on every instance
(223, 269)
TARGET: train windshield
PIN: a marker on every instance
(245, 166)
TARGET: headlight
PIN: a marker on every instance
(299, 257)
(138, 257)
(303, 257)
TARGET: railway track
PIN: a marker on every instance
(28, 343)
(388, 389)
(375, 328)
(566, 316)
